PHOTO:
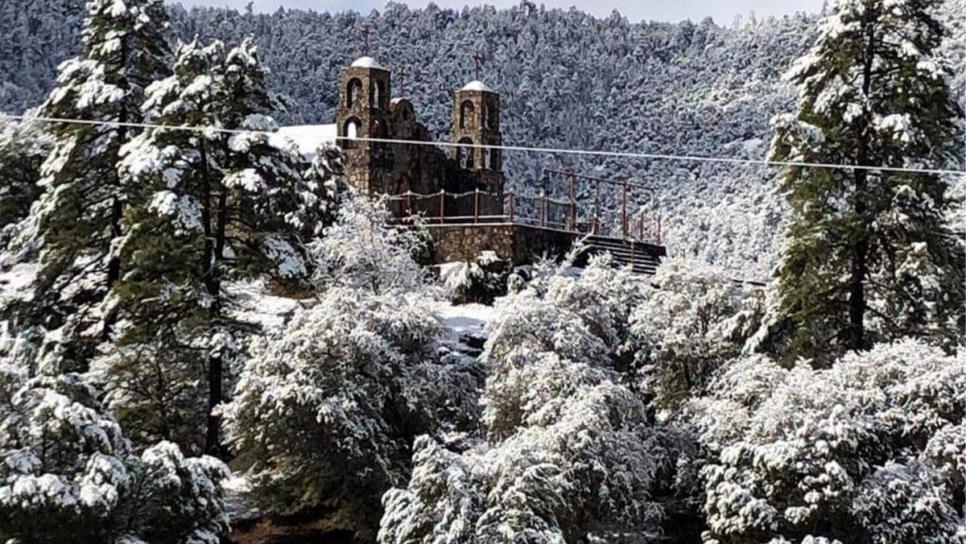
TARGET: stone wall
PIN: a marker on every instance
(518, 244)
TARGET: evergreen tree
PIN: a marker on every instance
(206, 208)
(68, 474)
(81, 213)
(868, 253)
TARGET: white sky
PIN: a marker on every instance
(723, 11)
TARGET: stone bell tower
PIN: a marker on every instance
(363, 112)
(476, 120)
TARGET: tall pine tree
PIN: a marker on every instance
(868, 254)
(123, 51)
(207, 208)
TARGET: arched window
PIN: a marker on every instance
(490, 117)
(350, 130)
(464, 155)
(466, 113)
(378, 94)
(352, 92)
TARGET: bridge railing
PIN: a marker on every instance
(539, 210)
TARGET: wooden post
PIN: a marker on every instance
(596, 205)
(543, 210)
(476, 206)
(640, 226)
(442, 205)
(512, 202)
(573, 201)
(624, 211)
(658, 229)
(409, 203)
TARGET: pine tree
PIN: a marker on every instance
(868, 255)
(82, 209)
(206, 208)
(69, 474)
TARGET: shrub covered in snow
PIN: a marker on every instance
(362, 250)
(481, 280)
(326, 411)
(689, 323)
(67, 474)
(869, 450)
(569, 453)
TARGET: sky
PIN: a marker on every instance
(723, 11)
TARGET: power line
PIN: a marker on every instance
(525, 149)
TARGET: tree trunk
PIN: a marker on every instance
(210, 274)
(858, 271)
(216, 361)
(117, 208)
(859, 265)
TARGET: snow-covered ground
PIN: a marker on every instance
(251, 304)
(238, 499)
(466, 320)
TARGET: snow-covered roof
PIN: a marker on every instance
(308, 138)
(367, 62)
(476, 85)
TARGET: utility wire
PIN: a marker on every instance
(526, 149)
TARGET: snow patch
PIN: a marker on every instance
(308, 138)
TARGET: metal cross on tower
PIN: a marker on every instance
(478, 59)
(365, 37)
(402, 74)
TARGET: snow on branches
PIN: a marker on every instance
(691, 321)
(867, 449)
(326, 411)
(67, 474)
(569, 452)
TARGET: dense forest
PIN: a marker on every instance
(567, 80)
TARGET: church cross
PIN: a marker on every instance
(478, 59)
(402, 75)
(365, 36)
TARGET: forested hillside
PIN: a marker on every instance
(567, 79)
(206, 336)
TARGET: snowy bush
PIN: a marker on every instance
(863, 451)
(362, 250)
(569, 452)
(481, 280)
(326, 411)
(68, 475)
(687, 326)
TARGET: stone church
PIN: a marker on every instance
(366, 109)
(459, 187)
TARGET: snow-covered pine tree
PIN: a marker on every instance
(207, 207)
(67, 473)
(80, 216)
(868, 255)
